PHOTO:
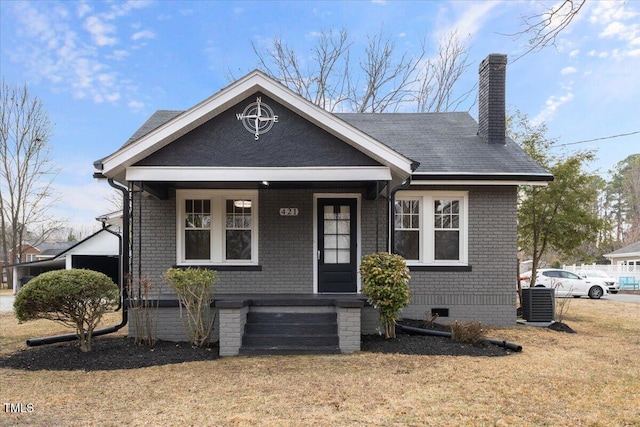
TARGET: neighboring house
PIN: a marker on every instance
(283, 199)
(627, 256)
(99, 252)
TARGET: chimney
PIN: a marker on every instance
(491, 99)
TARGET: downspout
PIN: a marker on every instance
(392, 202)
(504, 344)
(124, 259)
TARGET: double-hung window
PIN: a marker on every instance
(217, 227)
(430, 227)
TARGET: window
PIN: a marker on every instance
(217, 227)
(431, 227)
(31, 257)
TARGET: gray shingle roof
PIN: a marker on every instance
(443, 143)
(158, 118)
(632, 248)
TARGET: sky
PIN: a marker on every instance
(101, 68)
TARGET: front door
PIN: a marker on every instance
(337, 245)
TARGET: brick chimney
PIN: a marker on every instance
(491, 99)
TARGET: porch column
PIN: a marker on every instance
(348, 313)
(233, 317)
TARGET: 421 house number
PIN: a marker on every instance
(289, 211)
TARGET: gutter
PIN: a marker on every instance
(124, 260)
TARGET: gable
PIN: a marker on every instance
(292, 141)
(120, 165)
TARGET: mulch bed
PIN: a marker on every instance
(111, 353)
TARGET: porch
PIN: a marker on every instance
(247, 324)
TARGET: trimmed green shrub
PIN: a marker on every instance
(193, 287)
(385, 281)
(75, 298)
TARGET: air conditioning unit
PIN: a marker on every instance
(538, 304)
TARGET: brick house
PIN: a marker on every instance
(283, 198)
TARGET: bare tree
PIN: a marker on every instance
(543, 28)
(383, 80)
(323, 80)
(26, 171)
(440, 74)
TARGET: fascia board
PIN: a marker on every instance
(477, 182)
(244, 174)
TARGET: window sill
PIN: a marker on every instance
(223, 267)
(451, 268)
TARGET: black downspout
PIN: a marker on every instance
(124, 251)
(411, 330)
(392, 204)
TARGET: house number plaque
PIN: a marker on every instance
(289, 211)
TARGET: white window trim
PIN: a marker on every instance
(426, 198)
(218, 211)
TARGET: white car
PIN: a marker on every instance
(566, 283)
(601, 276)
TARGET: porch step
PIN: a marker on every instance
(290, 333)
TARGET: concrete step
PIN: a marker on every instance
(288, 350)
(277, 340)
(291, 328)
(267, 317)
(272, 332)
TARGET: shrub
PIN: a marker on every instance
(193, 287)
(76, 298)
(467, 332)
(143, 311)
(385, 281)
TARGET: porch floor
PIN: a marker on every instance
(283, 300)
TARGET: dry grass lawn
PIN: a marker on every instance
(591, 378)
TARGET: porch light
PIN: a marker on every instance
(265, 183)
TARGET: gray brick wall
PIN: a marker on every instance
(487, 293)
(169, 325)
(285, 243)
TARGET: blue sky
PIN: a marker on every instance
(101, 68)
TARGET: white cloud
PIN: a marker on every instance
(568, 70)
(553, 103)
(68, 49)
(471, 19)
(574, 53)
(136, 105)
(80, 205)
(144, 34)
(100, 31)
(83, 9)
(617, 22)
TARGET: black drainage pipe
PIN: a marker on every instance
(124, 259)
(504, 344)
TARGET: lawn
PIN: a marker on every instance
(588, 378)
